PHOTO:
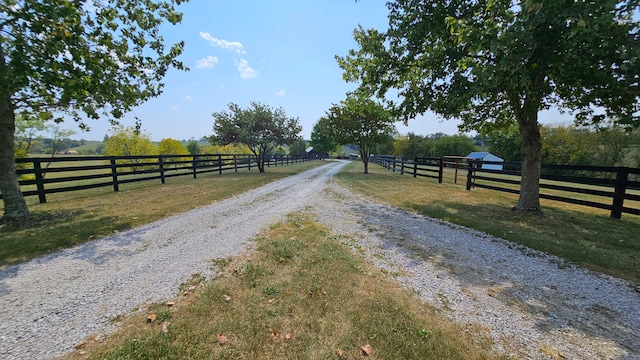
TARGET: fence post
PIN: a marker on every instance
(37, 169)
(441, 170)
(470, 175)
(248, 158)
(394, 164)
(235, 163)
(193, 166)
(622, 176)
(161, 169)
(114, 174)
(219, 164)
(415, 167)
(402, 165)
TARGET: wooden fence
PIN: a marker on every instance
(47, 175)
(616, 189)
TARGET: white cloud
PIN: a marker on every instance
(207, 62)
(175, 107)
(246, 71)
(230, 45)
(222, 86)
(281, 92)
(188, 98)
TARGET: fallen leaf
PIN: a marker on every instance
(151, 318)
(367, 349)
(270, 301)
(222, 339)
(82, 352)
(226, 298)
(134, 218)
(165, 327)
(170, 303)
(275, 334)
(80, 345)
(340, 352)
(324, 292)
(287, 336)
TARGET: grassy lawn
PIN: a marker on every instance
(72, 218)
(583, 236)
(301, 294)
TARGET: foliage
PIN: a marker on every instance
(28, 131)
(454, 145)
(298, 148)
(193, 147)
(58, 135)
(259, 127)
(362, 122)
(129, 141)
(171, 146)
(493, 63)
(79, 60)
(321, 138)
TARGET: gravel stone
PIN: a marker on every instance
(533, 305)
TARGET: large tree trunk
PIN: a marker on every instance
(14, 203)
(364, 154)
(531, 147)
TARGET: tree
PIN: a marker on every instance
(27, 133)
(80, 60)
(321, 138)
(298, 148)
(259, 127)
(129, 141)
(362, 122)
(454, 145)
(193, 147)
(58, 135)
(170, 146)
(493, 63)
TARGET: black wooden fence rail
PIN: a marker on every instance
(48, 175)
(581, 185)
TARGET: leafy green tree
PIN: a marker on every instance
(193, 147)
(362, 122)
(80, 60)
(129, 141)
(259, 127)
(454, 145)
(321, 138)
(298, 148)
(28, 131)
(504, 142)
(493, 63)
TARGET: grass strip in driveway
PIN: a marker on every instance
(73, 218)
(584, 236)
(301, 294)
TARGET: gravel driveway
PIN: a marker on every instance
(533, 305)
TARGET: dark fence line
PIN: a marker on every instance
(45, 175)
(581, 185)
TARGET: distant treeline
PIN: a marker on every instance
(561, 144)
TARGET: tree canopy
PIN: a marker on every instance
(359, 121)
(82, 59)
(493, 63)
(260, 127)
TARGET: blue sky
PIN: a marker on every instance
(278, 52)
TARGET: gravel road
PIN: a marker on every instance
(533, 305)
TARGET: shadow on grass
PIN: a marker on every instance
(46, 232)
